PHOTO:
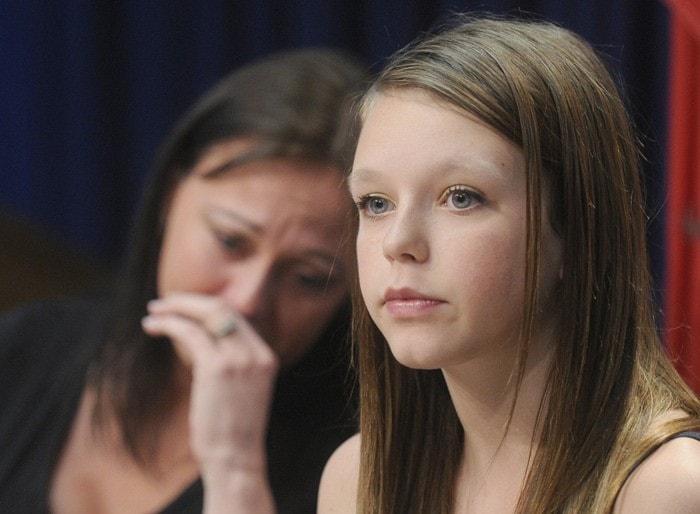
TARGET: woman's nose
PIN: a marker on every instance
(246, 290)
(405, 239)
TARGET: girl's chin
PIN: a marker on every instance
(424, 360)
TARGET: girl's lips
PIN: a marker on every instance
(407, 303)
(406, 293)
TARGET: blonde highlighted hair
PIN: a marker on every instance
(546, 90)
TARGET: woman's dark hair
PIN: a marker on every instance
(295, 104)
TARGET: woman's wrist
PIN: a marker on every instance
(237, 485)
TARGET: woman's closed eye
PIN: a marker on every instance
(461, 198)
(313, 281)
(233, 244)
(311, 278)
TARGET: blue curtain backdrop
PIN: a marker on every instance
(89, 89)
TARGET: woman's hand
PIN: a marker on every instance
(233, 376)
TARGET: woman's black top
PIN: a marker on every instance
(45, 351)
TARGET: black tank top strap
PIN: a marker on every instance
(685, 433)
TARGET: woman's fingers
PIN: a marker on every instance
(233, 375)
(210, 312)
(207, 314)
(187, 337)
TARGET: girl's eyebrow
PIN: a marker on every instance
(360, 175)
(483, 168)
(471, 164)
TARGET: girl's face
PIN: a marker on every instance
(441, 244)
(265, 237)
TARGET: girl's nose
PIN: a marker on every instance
(405, 239)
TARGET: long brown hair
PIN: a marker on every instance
(546, 90)
(297, 104)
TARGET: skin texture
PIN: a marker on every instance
(666, 482)
(338, 489)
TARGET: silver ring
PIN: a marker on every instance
(226, 329)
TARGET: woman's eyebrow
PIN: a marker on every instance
(238, 218)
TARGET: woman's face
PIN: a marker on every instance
(266, 238)
(441, 245)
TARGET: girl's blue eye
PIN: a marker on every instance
(374, 205)
(461, 198)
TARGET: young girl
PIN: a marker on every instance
(507, 349)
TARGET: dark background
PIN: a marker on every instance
(90, 89)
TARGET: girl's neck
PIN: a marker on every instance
(497, 445)
(483, 393)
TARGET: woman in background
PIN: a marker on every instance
(215, 378)
(507, 351)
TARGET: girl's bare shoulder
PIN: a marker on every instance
(667, 481)
(338, 489)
